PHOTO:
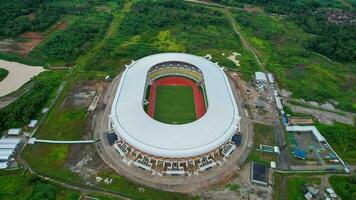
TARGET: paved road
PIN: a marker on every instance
(179, 184)
(283, 162)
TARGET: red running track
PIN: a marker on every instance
(177, 80)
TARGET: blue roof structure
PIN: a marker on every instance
(299, 153)
(237, 139)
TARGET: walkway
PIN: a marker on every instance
(63, 141)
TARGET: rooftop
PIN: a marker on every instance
(167, 140)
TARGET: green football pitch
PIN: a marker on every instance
(174, 104)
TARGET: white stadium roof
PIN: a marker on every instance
(134, 126)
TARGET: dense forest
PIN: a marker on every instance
(308, 76)
(344, 186)
(19, 16)
(67, 45)
(335, 41)
(29, 106)
(20, 184)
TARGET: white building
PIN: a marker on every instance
(260, 77)
(7, 149)
(32, 123)
(14, 131)
(270, 78)
(278, 103)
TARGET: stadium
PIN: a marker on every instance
(174, 114)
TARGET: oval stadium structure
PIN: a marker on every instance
(172, 107)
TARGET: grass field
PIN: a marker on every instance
(64, 122)
(291, 186)
(174, 104)
(295, 186)
(263, 134)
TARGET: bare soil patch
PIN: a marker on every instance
(32, 16)
(62, 25)
(325, 117)
(83, 93)
(245, 190)
(7, 45)
(33, 39)
(84, 160)
(252, 9)
(30, 40)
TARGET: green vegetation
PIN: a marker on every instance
(103, 197)
(341, 137)
(344, 186)
(65, 46)
(335, 41)
(296, 186)
(233, 187)
(151, 27)
(105, 35)
(174, 104)
(136, 191)
(29, 105)
(65, 121)
(17, 58)
(279, 44)
(277, 181)
(20, 16)
(20, 185)
(3, 73)
(263, 134)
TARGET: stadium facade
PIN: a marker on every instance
(168, 148)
